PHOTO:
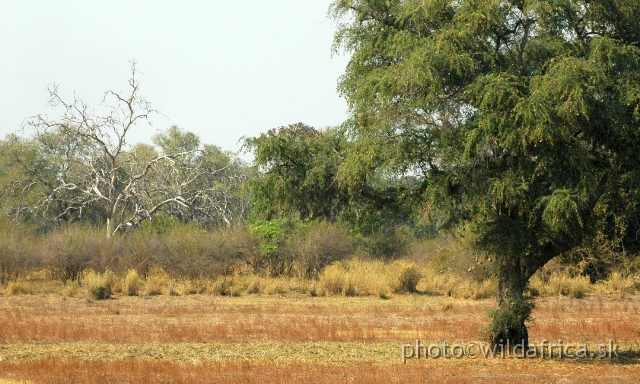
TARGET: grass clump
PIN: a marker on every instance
(71, 288)
(333, 278)
(18, 287)
(100, 286)
(131, 283)
(407, 278)
(560, 283)
(156, 283)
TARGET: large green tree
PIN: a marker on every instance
(309, 173)
(520, 117)
(299, 166)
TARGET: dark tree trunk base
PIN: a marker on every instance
(514, 310)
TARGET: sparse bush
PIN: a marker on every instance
(222, 286)
(68, 252)
(71, 288)
(196, 254)
(253, 286)
(559, 283)
(190, 287)
(387, 243)
(275, 286)
(317, 246)
(616, 283)
(17, 253)
(350, 289)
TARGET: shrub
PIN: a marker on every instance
(157, 281)
(316, 246)
(271, 255)
(195, 254)
(71, 288)
(387, 243)
(68, 252)
(17, 254)
(100, 292)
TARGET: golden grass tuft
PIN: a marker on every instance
(156, 283)
(616, 283)
(18, 287)
(131, 283)
(71, 288)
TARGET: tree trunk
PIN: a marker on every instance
(109, 227)
(508, 324)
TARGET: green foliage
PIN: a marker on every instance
(271, 236)
(299, 165)
(100, 292)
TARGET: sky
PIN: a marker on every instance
(220, 69)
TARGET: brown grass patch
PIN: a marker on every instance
(253, 338)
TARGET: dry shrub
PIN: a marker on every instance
(70, 251)
(317, 246)
(190, 287)
(355, 277)
(485, 289)
(18, 253)
(222, 286)
(275, 286)
(131, 283)
(253, 285)
(142, 248)
(457, 286)
(453, 254)
(369, 277)
(616, 283)
(234, 247)
(195, 254)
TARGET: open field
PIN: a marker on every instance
(254, 338)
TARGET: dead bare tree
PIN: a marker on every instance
(108, 173)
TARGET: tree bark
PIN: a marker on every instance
(508, 325)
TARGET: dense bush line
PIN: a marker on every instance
(181, 251)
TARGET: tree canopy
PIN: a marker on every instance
(519, 117)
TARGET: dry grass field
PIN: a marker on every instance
(49, 338)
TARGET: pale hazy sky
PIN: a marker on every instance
(221, 69)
